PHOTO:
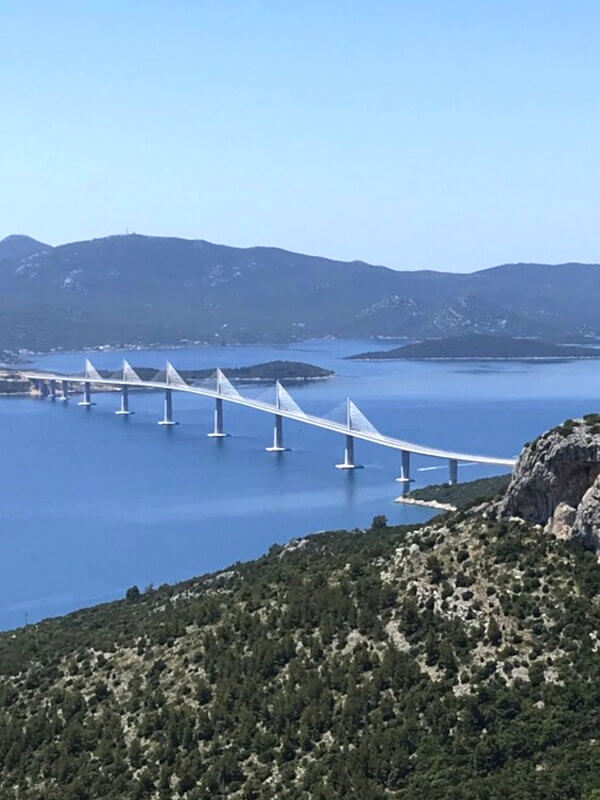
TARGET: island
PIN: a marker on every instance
(481, 347)
(13, 383)
(269, 372)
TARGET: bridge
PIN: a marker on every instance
(354, 424)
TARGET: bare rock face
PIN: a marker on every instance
(554, 482)
(587, 520)
(561, 522)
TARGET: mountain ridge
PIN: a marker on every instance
(134, 289)
(18, 245)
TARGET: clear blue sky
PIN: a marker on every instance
(443, 134)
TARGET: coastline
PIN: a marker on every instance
(552, 359)
(411, 501)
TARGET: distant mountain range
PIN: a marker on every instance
(142, 290)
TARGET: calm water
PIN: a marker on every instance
(93, 503)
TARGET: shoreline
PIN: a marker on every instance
(412, 501)
(481, 358)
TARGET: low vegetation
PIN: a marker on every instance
(456, 661)
(463, 495)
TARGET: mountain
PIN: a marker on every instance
(143, 290)
(477, 345)
(454, 660)
(17, 247)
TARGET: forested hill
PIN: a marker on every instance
(143, 290)
(454, 661)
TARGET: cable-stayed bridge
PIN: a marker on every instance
(351, 423)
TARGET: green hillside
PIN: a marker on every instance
(453, 661)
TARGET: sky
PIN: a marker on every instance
(447, 135)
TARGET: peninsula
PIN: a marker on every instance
(476, 346)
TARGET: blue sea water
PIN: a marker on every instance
(93, 503)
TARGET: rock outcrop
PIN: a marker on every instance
(587, 520)
(556, 482)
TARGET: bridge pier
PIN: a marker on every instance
(217, 431)
(278, 446)
(348, 462)
(168, 409)
(452, 471)
(52, 389)
(65, 391)
(405, 478)
(124, 410)
(87, 397)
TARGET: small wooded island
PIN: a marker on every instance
(13, 383)
(269, 372)
(475, 346)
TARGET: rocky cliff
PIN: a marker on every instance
(556, 482)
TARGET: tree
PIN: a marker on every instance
(494, 634)
(132, 594)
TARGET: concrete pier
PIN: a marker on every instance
(452, 471)
(52, 389)
(355, 426)
(278, 446)
(168, 409)
(87, 398)
(124, 410)
(404, 477)
(217, 431)
(348, 462)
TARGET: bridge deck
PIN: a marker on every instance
(307, 419)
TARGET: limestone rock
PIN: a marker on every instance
(587, 520)
(561, 522)
(553, 483)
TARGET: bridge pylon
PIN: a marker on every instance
(224, 387)
(282, 399)
(351, 416)
(91, 374)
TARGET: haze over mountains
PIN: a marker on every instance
(143, 290)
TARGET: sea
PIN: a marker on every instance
(93, 503)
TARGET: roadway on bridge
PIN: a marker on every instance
(297, 415)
